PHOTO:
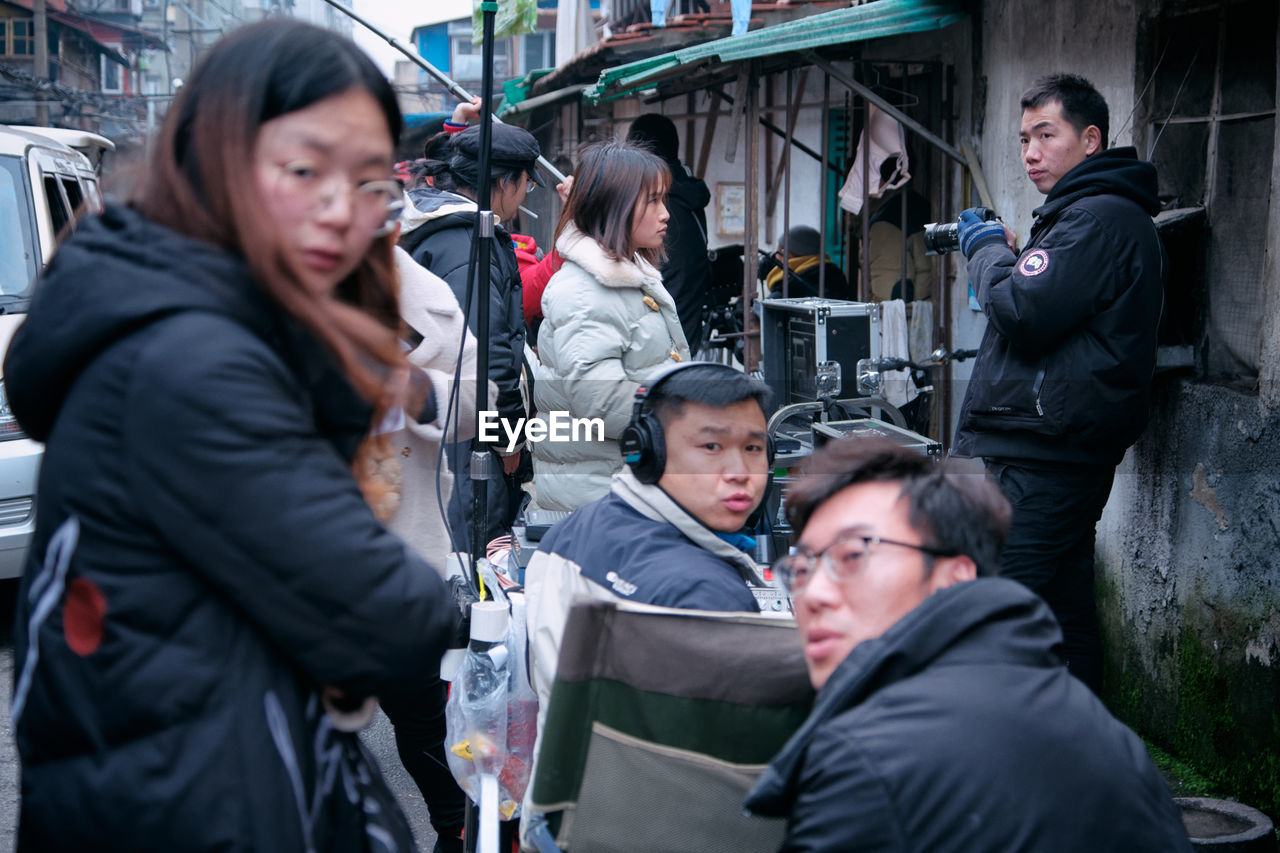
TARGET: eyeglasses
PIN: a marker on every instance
(379, 201)
(839, 560)
(394, 205)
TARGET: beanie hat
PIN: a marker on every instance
(510, 148)
(802, 240)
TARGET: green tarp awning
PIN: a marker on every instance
(858, 23)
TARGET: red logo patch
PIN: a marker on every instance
(82, 616)
(1034, 262)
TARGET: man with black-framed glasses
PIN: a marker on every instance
(945, 718)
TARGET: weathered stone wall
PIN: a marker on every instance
(1189, 586)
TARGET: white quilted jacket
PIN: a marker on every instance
(608, 325)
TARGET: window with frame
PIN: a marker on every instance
(17, 37)
(1210, 130)
(466, 60)
(537, 50)
(112, 75)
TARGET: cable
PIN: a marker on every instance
(1174, 105)
(1138, 99)
(453, 413)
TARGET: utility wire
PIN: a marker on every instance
(1138, 100)
(1174, 105)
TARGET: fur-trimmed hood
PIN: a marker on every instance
(578, 248)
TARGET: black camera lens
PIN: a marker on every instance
(941, 237)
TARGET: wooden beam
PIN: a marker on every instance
(744, 80)
(709, 134)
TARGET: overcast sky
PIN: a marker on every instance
(398, 18)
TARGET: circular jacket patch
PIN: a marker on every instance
(1034, 262)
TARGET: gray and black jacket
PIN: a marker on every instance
(635, 544)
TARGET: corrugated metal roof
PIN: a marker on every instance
(858, 23)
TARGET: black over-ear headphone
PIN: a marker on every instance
(644, 447)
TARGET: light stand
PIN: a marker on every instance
(481, 457)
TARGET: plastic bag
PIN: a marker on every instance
(514, 18)
(492, 716)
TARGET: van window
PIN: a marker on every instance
(17, 230)
(57, 205)
(75, 198)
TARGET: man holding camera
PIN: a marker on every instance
(1060, 389)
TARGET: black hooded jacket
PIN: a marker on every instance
(686, 274)
(1064, 371)
(438, 233)
(203, 560)
(959, 729)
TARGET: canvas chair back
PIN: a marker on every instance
(659, 722)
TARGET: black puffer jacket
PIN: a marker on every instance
(438, 234)
(686, 274)
(1064, 371)
(203, 560)
(959, 729)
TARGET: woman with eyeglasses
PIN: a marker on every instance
(205, 577)
(438, 230)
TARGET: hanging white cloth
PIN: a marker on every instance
(882, 138)
(920, 335)
(573, 30)
(897, 386)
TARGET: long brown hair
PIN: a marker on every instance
(200, 181)
(610, 178)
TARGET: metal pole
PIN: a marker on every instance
(751, 237)
(945, 288)
(39, 13)
(453, 87)
(823, 180)
(786, 207)
(902, 242)
(481, 457)
(864, 251)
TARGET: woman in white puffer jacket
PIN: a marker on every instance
(609, 324)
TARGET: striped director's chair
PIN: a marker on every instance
(659, 722)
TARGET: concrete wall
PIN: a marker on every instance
(1189, 586)
(1189, 546)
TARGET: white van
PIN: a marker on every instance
(46, 180)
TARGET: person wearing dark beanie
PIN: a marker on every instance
(804, 255)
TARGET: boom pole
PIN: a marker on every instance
(449, 83)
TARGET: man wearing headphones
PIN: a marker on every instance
(668, 533)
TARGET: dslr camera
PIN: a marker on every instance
(943, 237)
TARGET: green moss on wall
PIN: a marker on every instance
(1228, 725)
(1209, 707)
